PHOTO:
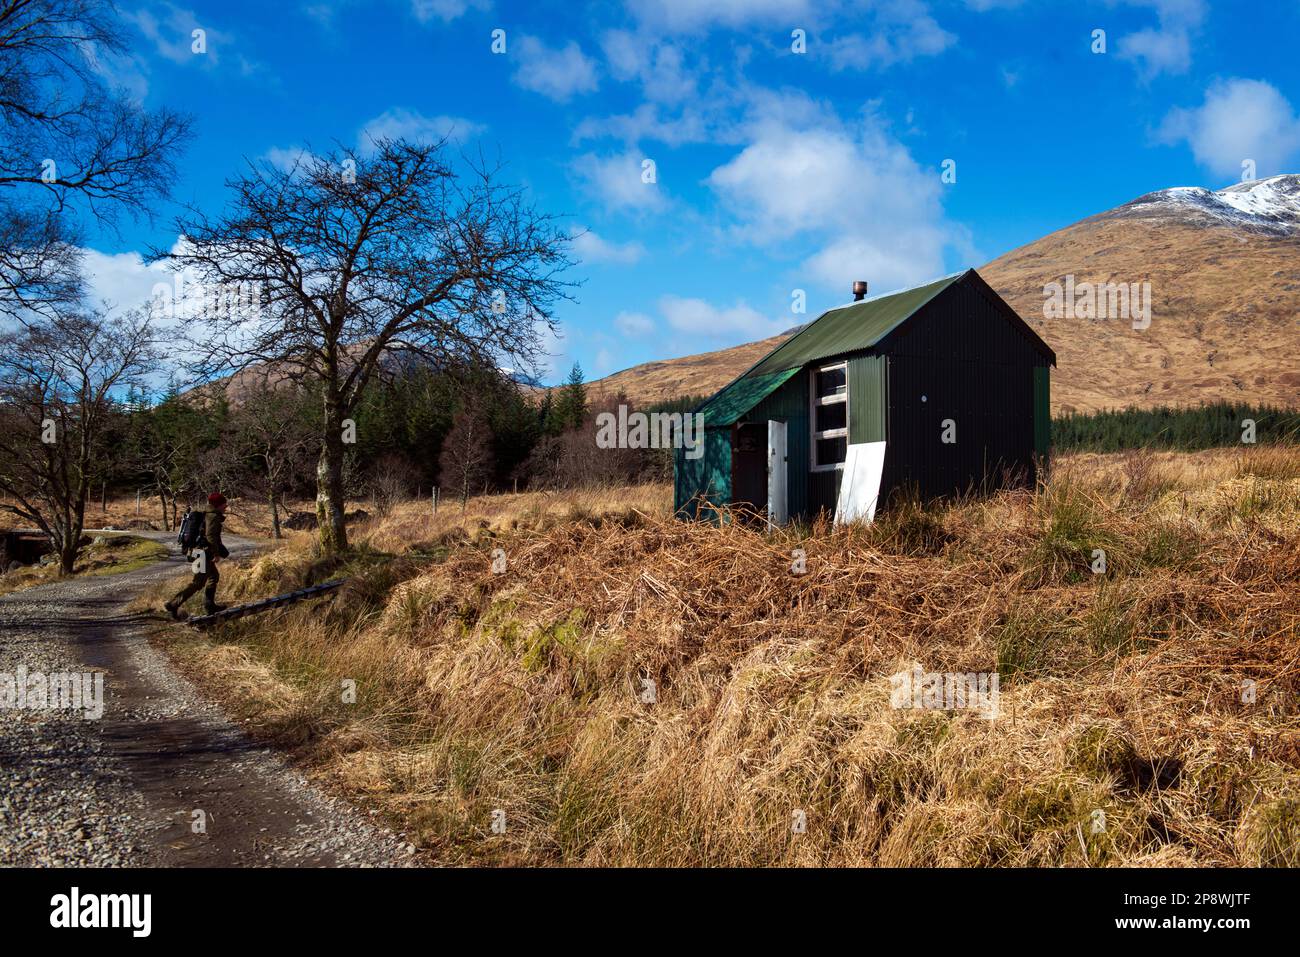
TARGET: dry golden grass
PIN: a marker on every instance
(1121, 694)
(410, 524)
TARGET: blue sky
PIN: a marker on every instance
(775, 170)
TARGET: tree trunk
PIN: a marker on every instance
(329, 482)
(74, 523)
(275, 516)
(68, 557)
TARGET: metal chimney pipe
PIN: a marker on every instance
(859, 290)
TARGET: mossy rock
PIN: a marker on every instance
(560, 637)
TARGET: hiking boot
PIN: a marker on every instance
(175, 611)
(214, 608)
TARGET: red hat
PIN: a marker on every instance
(216, 498)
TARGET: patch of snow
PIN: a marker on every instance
(1267, 205)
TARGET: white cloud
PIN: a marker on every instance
(634, 324)
(1158, 51)
(691, 15)
(170, 29)
(855, 195)
(903, 31)
(659, 67)
(396, 123)
(122, 280)
(618, 182)
(556, 73)
(604, 362)
(703, 318)
(625, 52)
(286, 158)
(1168, 48)
(121, 71)
(552, 357)
(693, 123)
(592, 248)
(444, 10)
(1239, 120)
(330, 13)
(399, 123)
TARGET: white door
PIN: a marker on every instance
(777, 512)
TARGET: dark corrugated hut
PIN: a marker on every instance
(945, 374)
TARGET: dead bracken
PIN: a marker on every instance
(1147, 715)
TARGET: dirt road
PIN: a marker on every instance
(132, 787)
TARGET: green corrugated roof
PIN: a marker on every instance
(859, 325)
(741, 396)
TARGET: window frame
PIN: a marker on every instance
(815, 401)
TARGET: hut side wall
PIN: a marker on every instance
(975, 368)
(708, 476)
(789, 404)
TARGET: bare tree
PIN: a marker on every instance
(168, 444)
(57, 380)
(68, 141)
(466, 460)
(392, 479)
(361, 255)
(274, 431)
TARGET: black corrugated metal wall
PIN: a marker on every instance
(959, 359)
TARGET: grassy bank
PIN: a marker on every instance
(1148, 715)
(113, 555)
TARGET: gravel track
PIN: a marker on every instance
(121, 790)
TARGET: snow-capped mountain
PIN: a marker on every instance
(1224, 273)
(1266, 205)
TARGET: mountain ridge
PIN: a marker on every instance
(1224, 274)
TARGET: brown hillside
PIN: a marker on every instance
(702, 374)
(1225, 312)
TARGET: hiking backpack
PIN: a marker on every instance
(190, 536)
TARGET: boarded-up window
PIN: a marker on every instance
(830, 416)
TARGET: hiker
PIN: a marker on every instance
(209, 542)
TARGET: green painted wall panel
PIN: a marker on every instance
(868, 403)
(708, 476)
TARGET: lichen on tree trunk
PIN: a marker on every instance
(329, 485)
